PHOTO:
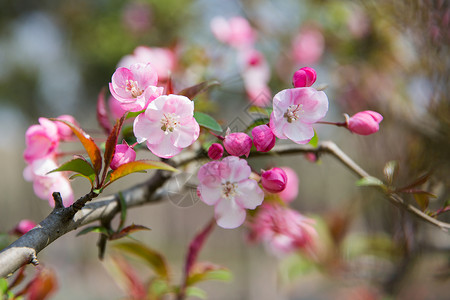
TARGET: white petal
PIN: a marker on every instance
(164, 149)
(210, 195)
(147, 130)
(299, 132)
(229, 214)
(250, 195)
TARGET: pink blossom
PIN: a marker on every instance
(137, 16)
(274, 180)
(45, 184)
(226, 185)
(123, 154)
(115, 108)
(235, 32)
(282, 230)
(41, 140)
(256, 75)
(163, 60)
(291, 190)
(263, 138)
(308, 46)
(304, 77)
(365, 122)
(64, 131)
(167, 125)
(237, 143)
(215, 151)
(135, 87)
(23, 227)
(294, 112)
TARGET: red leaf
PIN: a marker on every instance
(133, 284)
(42, 286)
(196, 245)
(88, 143)
(169, 86)
(138, 166)
(194, 90)
(127, 230)
(111, 143)
(421, 180)
(102, 114)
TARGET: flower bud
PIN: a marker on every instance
(290, 192)
(23, 227)
(215, 151)
(263, 138)
(237, 143)
(364, 122)
(304, 77)
(123, 154)
(274, 180)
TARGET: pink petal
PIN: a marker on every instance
(210, 195)
(277, 125)
(186, 133)
(250, 194)
(119, 83)
(147, 130)
(164, 149)
(239, 169)
(298, 132)
(228, 214)
(144, 74)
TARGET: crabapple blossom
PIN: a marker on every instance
(122, 155)
(365, 122)
(44, 183)
(274, 180)
(135, 87)
(163, 60)
(226, 185)
(294, 112)
(237, 143)
(235, 32)
(308, 46)
(167, 125)
(115, 108)
(23, 227)
(64, 131)
(41, 140)
(263, 138)
(282, 230)
(255, 73)
(215, 151)
(290, 192)
(304, 77)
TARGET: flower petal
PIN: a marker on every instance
(228, 214)
(250, 195)
(299, 132)
(239, 169)
(164, 148)
(146, 130)
(210, 195)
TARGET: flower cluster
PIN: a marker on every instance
(42, 143)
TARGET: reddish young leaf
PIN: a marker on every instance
(169, 86)
(42, 286)
(138, 166)
(88, 143)
(196, 245)
(204, 271)
(102, 114)
(111, 143)
(421, 180)
(127, 230)
(129, 279)
(194, 90)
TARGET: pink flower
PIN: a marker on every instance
(41, 140)
(282, 230)
(123, 154)
(256, 75)
(308, 46)
(167, 125)
(163, 60)
(215, 151)
(135, 87)
(294, 112)
(365, 122)
(304, 77)
(64, 131)
(235, 32)
(115, 108)
(291, 190)
(263, 138)
(23, 227)
(45, 184)
(237, 143)
(274, 180)
(226, 185)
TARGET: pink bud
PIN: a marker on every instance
(364, 122)
(124, 154)
(290, 192)
(64, 131)
(274, 180)
(215, 151)
(263, 138)
(23, 227)
(304, 77)
(237, 143)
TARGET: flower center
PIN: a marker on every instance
(294, 112)
(169, 122)
(133, 88)
(229, 190)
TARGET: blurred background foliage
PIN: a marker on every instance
(387, 56)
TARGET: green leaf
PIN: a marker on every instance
(207, 271)
(369, 181)
(194, 90)
(260, 110)
(88, 143)
(158, 288)
(132, 114)
(79, 166)
(422, 199)
(98, 229)
(315, 140)
(3, 286)
(123, 210)
(207, 121)
(127, 230)
(194, 291)
(153, 259)
(139, 166)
